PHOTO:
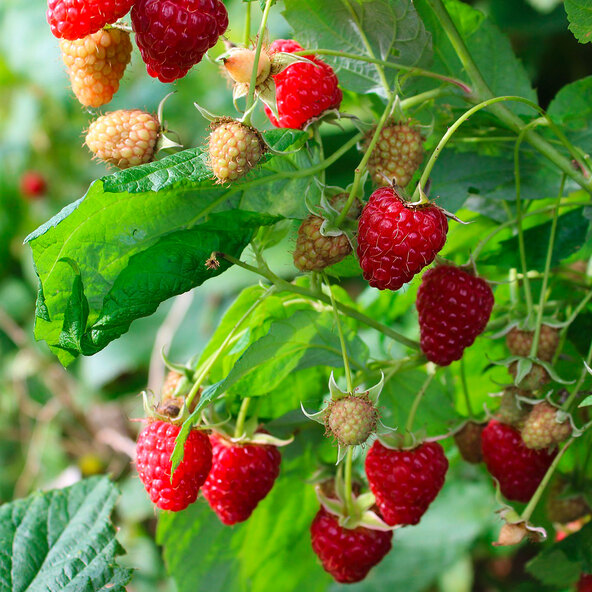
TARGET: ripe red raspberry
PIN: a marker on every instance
(518, 469)
(541, 429)
(303, 91)
(347, 554)
(314, 251)
(174, 35)
(241, 476)
(124, 138)
(156, 443)
(351, 420)
(234, 149)
(405, 482)
(396, 156)
(33, 185)
(454, 308)
(585, 583)
(468, 441)
(520, 342)
(396, 240)
(563, 507)
(96, 64)
(74, 19)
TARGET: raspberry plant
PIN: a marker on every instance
(415, 233)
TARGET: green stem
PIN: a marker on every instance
(242, 416)
(348, 481)
(252, 83)
(372, 60)
(248, 25)
(368, 47)
(347, 310)
(209, 363)
(416, 402)
(463, 379)
(362, 166)
(348, 375)
(319, 140)
(483, 92)
(534, 500)
(574, 394)
(543, 296)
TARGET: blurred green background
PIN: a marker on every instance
(55, 425)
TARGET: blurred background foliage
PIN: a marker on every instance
(55, 425)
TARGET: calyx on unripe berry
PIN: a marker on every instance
(239, 61)
(511, 411)
(351, 420)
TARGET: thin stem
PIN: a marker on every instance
(463, 379)
(348, 376)
(534, 500)
(574, 394)
(248, 24)
(348, 481)
(543, 296)
(368, 47)
(347, 310)
(422, 98)
(394, 65)
(252, 83)
(242, 415)
(417, 401)
(362, 166)
(319, 140)
(209, 363)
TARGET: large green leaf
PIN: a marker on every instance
(389, 30)
(490, 49)
(579, 14)
(271, 551)
(62, 540)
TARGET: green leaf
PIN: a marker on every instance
(392, 30)
(579, 15)
(562, 563)
(62, 540)
(130, 252)
(490, 49)
(271, 551)
(572, 229)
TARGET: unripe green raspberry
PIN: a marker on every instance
(520, 342)
(562, 507)
(124, 138)
(534, 380)
(541, 429)
(396, 156)
(351, 420)
(510, 411)
(234, 149)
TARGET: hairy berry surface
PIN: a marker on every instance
(351, 420)
(405, 482)
(241, 476)
(518, 469)
(396, 240)
(454, 308)
(156, 443)
(519, 342)
(174, 35)
(347, 554)
(541, 429)
(303, 91)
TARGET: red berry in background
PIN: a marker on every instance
(174, 35)
(405, 482)
(454, 308)
(155, 445)
(585, 583)
(303, 91)
(468, 442)
(33, 185)
(396, 240)
(347, 554)
(74, 19)
(518, 469)
(241, 476)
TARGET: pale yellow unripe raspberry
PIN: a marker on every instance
(96, 64)
(234, 149)
(124, 138)
(239, 65)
